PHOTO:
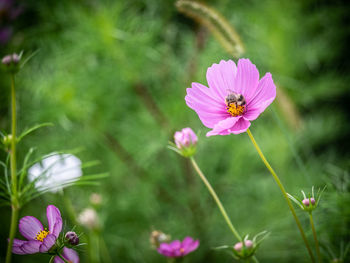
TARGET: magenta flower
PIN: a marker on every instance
(68, 254)
(235, 97)
(178, 249)
(39, 239)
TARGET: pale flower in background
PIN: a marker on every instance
(55, 171)
(88, 218)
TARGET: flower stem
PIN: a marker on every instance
(217, 200)
(14, 197)
(52, 259)
(280, 185)
(315, 238)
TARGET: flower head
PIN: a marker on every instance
(185, 141)
(177, 248)
(248, 244)
(11, 62)
(54, 171)
(68, 254)
(310, 202)
(88, 218)
(235, 97)
(39, 239)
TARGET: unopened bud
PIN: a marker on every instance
(307, 201)
(186, 141)
(72, 238)
(239, 245)
(11, 62)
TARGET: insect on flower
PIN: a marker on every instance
(235, 97)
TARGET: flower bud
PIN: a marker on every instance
(307, 201)
(11, 62)
(72, 238)
(186, 141)
(248, 244)
(7, 140)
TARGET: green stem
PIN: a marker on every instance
(280, 185)
(315, 238)
(52, 259)
(14, 197)
(217, 200)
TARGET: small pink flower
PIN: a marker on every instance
(185, 138)
(307, 201)
(39, 239)
(235, 97)
(177, 248)
(68, 254)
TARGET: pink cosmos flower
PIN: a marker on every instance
(235, 97)
(177, 248)
(68, 254)
(39, 239)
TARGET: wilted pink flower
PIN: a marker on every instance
(185, 138)
(235, 97)
(177, 248)
(238, 246)
(68, 254)
(39, 239)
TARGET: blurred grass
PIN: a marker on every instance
(100, 63)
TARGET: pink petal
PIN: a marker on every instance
(71, 255)
(223, 127)
(47, 243)
(55, 220)
(165, 249)
(16, 247)
(191, 247)
(265, 94)
(187, 241)
(203, 92)
(241, 126)
(208, 112)
(247, 79)
(29, 227)
(221, 78)
(31, 247)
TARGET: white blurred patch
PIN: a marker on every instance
(54, 171)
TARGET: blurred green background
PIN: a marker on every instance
(111, 77)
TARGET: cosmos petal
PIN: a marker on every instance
(69, 254)
(223, 127)
(165, 249)
(221, 78)
(29, 227)
(16, 247)
(241, 126)
(47, 243)
(31, 247)
(247, 79)
(54, 219)
(265, 94)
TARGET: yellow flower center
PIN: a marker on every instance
(42, 234)
(235, 110)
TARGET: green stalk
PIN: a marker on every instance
(280, 185)
(217, 200)
(14, 193)
(315, 238)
